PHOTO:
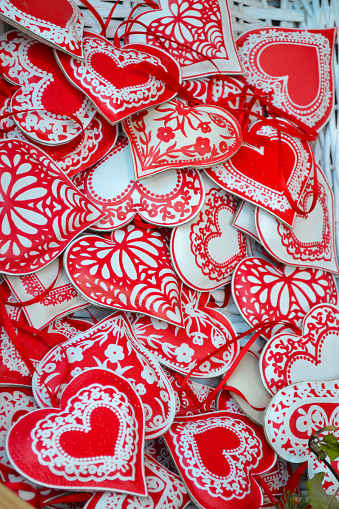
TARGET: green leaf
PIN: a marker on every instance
(331, 446)
(318, 496)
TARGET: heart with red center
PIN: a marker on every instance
(255, 173)
(282, 60)
(44, 90)
(206, 250)
(288, 359)
(216, 455)
(131, 272)
(311, 243)
(265, 292)
(175, 135)
(58, 24)
(95, 440)
(115, 79)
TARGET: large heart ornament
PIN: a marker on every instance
(131, 272)
(279, 61)
(294, 414)
(170, 199)
(217, 454)
(165, 490)
(175, 135)
(205, 330)
(59, 25)
(288, 359)
(93, 442)
(206, 250)
(254, 173)
(112, 345)
(197, 34)
(114, 78)
(44, 90)
(264, 292)
(311, 243)
(41, 211)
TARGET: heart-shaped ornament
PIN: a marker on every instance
(255, 173)
(94, 442)
(288, 359)
(264, 292)
(44, 90)
(112, 345)
(131, 272)
(279, 61)
(170, 199)
(41, 211)
(114, 78)
(175, 135)
(244, 219)
(206, 250)
(59, 25)
(204, 331)
(311, 242)
(217, 454)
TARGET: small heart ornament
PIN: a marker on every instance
(131, 272)
(175, 135)
(93, 442)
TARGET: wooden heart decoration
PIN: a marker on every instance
(288, 359)
(93, 442)
(253, 173)
(294, 414)
(191, 32)
(131, 272)
(59, 25)
(112, 345)
(170, 199)
(264, 292)
(311, 243)
(175, 135)
(280, 61)
(208, 452)
(114, 78)
(205, 329)
(41, 211)
(165, 490)
(206, 250)
(31, 65)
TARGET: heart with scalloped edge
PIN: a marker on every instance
(58, 24)
(281, 60)
(77, 446)
(45, 90)
(265, 292)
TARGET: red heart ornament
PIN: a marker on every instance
(209, 452)
(254, 173)
(282, 60)
(41, 211)
(44, 90)
(77, 446)
(288, 359)
(59, 25)
(263, 292)
(114, 79)
(175, 135)
(197, 35)
(131, 272)
(112, 345)
(206, 250)
(205, 329)
(311, 243)
(169, 199)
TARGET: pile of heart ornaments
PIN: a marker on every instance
(167, 187)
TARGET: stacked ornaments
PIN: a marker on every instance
(139, 179)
